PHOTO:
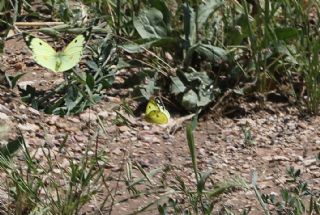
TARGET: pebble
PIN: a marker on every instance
(117, 151)
(112, 129)
(87, 117)
(124, 128)
(4, 116)
(280, 158)
(5, 110)
(309, 162)
(103, 114)
(28, 127)
(24, 84)
(34, 111)
(80, 138)
(52, 120)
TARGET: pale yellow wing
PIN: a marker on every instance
(156, 112)
(42, 52)
(72, 54)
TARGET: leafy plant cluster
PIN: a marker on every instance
(195, 51)
(295, 199)
(275, 47)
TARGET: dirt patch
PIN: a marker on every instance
(280, 139)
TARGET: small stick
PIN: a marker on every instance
(31, 24)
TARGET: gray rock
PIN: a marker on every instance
(5, 110)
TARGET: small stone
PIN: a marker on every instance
(28, 127)
(24, 84)
(112, 129)
(309, 162)
(117, 151)
(4, 116)
(302, 125)
(5, 110)
(52, 120)
(62, 125)
(104, 114)
(34, 111)
(91, 153)
(124, 128)
(150, 139)
(299, 158)
(267, 158)
(280, 158)
(80, 138)
(87, 117)
(246, 166)
(56, 170)
(74, 120)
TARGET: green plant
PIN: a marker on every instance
(11, 81)
(193, 90)
(248, 138)
(294, 200)
(35, 188)
(199, 198)
(311, 74)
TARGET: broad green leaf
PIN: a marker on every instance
(204, 99)
(206, 9)
(200, 89)
(140, 46)
(213, 53)
(148, 90)
(177, 86)
(150, 24)
(282, 49)
(190, 100)
(135, 47)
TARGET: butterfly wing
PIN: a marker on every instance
(157, 117)
(152, 106)
(156, 112)
(42, 52)
(71, 55)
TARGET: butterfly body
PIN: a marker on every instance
(156, 112)
(49, 58)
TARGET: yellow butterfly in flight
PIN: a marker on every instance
(156, 112)
(49, 58)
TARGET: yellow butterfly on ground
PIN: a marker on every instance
(156, 112)
(49, 58)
